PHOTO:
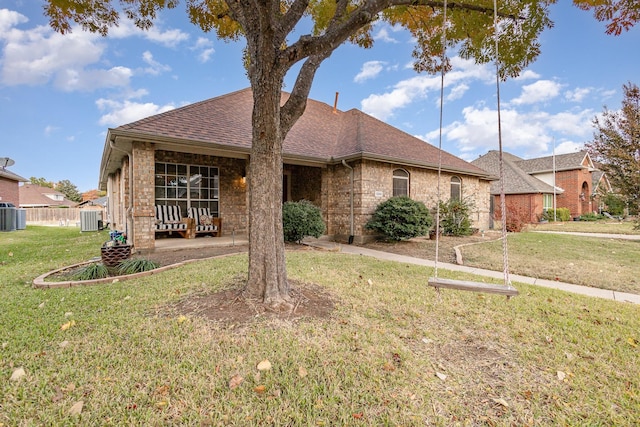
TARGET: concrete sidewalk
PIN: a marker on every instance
(584, 290)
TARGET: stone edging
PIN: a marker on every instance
(39, 282)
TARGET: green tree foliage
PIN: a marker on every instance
(42, 182)
(455, 217)
(616, 146)
(69, 190)
(400, 218)
(614, 204)
(301, 219)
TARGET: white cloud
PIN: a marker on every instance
(8, 20)
(383, 35)
(415, 88)
(369, 70)
(566, 147)
(528, 75)
(167, 38)
(205, 46)
(49, 129)
(123, 112)
(155, 67)
(540, 91)
(577, 94)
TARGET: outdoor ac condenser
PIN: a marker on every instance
(7, 219)
(21, 219)
(89, 220)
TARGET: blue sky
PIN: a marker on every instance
(60, 94)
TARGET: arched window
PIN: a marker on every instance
(456, 188)
(400, 182)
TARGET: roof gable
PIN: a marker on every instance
(8, 175)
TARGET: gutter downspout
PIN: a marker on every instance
(350, 202)
(130, 207)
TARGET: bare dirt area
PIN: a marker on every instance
(425, 248)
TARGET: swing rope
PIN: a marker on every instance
(436, 282)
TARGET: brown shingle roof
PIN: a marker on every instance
(319, 134)
(563, 162)
(516, 180)
(32, 195)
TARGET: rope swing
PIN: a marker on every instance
(464, 285)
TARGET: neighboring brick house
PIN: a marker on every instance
(529, 184)
(344, 162)
(9, 186)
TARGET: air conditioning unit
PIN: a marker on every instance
(89, 220)
(7, 219)
(21, 219)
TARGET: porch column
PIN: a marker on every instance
(143, 194)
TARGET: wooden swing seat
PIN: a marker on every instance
(465, 285)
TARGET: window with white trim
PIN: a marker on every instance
(400, 182)
(456, 188)
(187, 186)
(547, 202)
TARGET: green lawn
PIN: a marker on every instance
(391, 353)
(589, 261)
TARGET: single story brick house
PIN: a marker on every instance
(345, 162)
(529, 183)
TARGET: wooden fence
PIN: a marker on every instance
(53, 216)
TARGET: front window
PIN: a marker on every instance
(547, 202)
(188, 186)
(456, 188)
(400, 182)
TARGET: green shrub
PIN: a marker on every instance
(615, 204)
(301, 219)
(455, 217)
(562, 214)
(132, 266)
(590, 216)
(91, 272)
(400, 218)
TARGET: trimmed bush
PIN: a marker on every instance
(562, 214)
(301, 219)
(454, 217)
(400, 218)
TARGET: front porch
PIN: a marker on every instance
(178, 243)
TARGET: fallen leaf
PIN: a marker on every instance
(68, 314)
(67, 325)
(561, 375)
(181, 319)
(64, 344)
(389, 367)
(265, 365)
(235, 381)
(259, 389)
(427, 340)
(358, 416)
(370, 282)
(41, 305)
(58, 396)
(10, 253)
(302, 372)
(441, 376)
(501, 402)
(162, 390)
(76, 409)
(17, 374)
(632, 342)
(161, 404)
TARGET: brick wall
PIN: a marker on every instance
(9, 191)
(528, 206)
(373, 184)
(574, 183)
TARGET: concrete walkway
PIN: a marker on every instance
(584, 290)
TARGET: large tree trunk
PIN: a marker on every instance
(267, 268)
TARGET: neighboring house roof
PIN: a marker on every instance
(322, 135)
(563, 162)
(35, 196)
(6, 174)
(516, 180)
(100, 201)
